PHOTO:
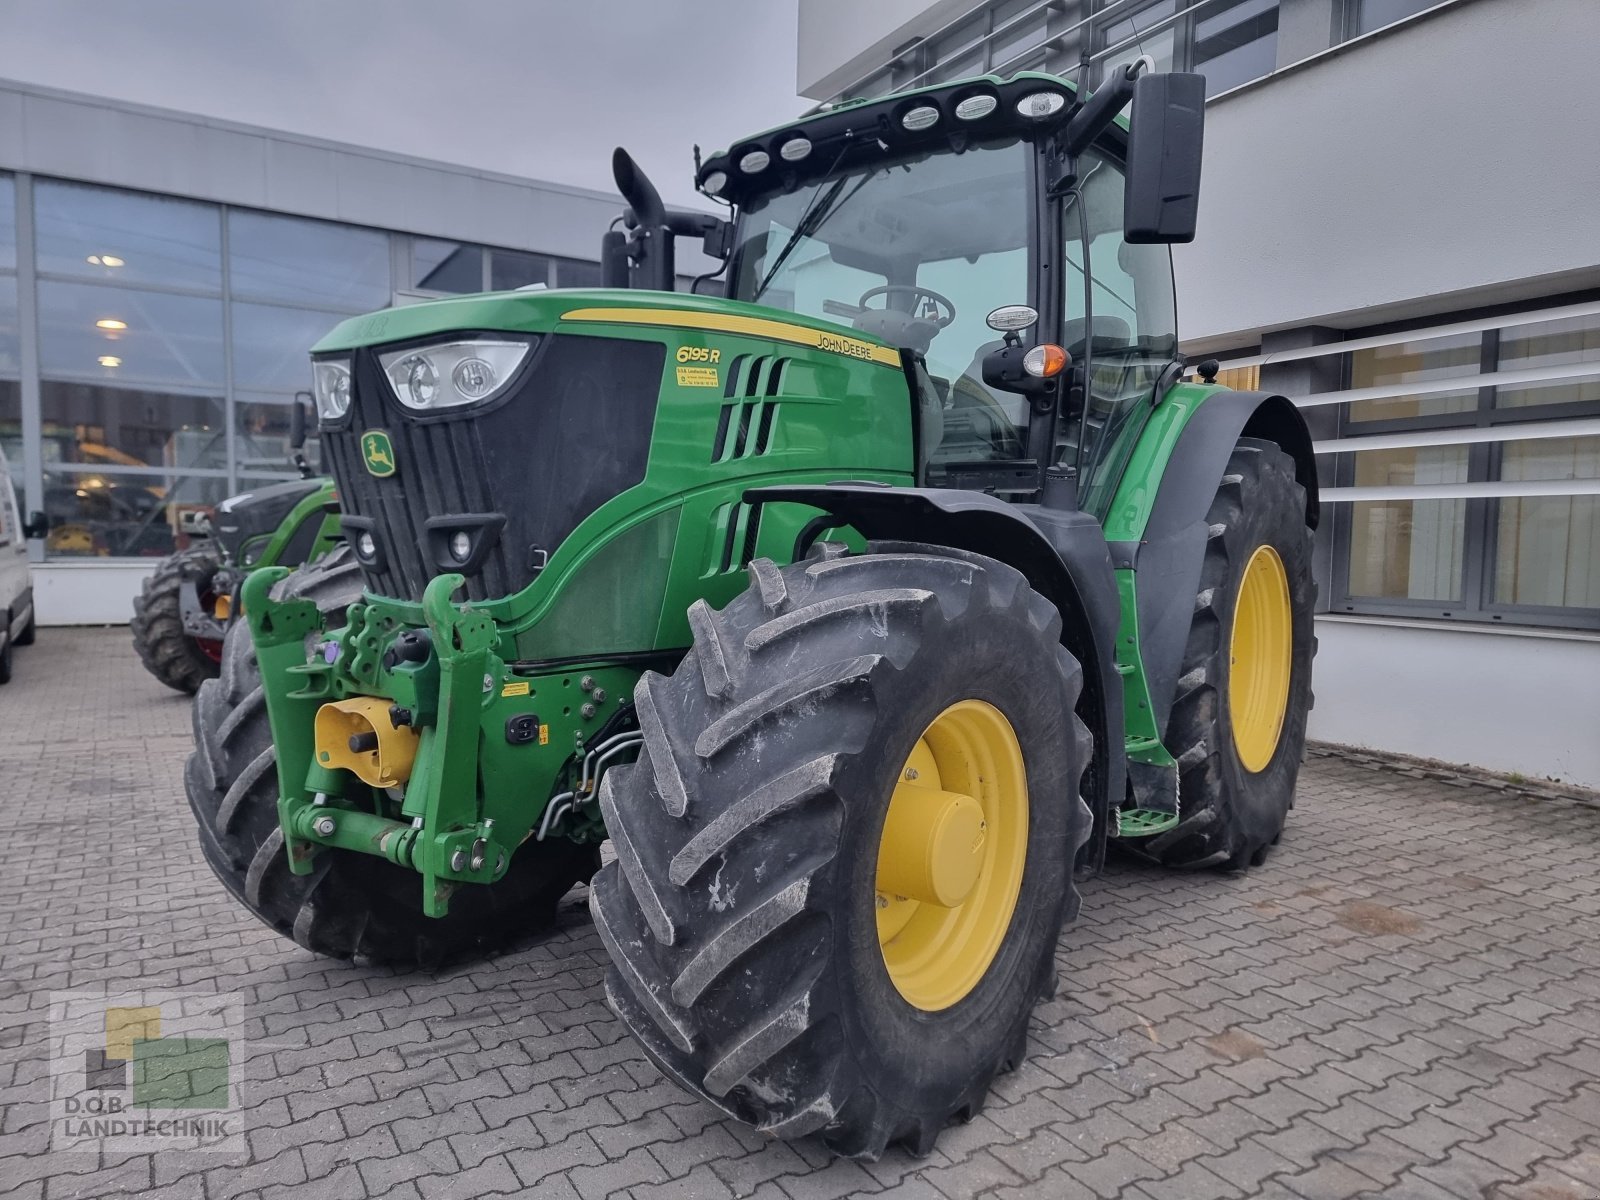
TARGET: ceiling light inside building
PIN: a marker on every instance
(110, 360)
(104, 260)
(110, 323)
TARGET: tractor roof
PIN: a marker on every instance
(947, 116)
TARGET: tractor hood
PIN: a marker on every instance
(571, 385)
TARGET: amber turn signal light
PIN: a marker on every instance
(1046, 361)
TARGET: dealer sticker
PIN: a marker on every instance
(698, 377)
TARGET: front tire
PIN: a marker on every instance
(756, 948)
(352, 905)
(1238, 724)
(168, 651)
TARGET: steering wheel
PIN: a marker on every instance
(917, 292)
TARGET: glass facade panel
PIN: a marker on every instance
(113, 334)
(1408, 549)
(98, 513)
(1547, 551)
(127, 237)
(261, 433)
(1236, 44)
(446, 266)
(272, 345)
(1161, 45)
(1550, 344)
(576, 272)
(513, 269)
(1375, 14)
(1458, 356)
(8, 223)
(307, 262)
(10, 347)
(11, 426)
(130, 426)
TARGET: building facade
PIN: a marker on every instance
(162, 277)
(1398, 231)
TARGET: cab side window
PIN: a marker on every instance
(1121, 329)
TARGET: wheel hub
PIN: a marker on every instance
(1260, 654)
(951, 857)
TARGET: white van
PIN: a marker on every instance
(16, 584)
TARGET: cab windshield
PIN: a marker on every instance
(918, 253)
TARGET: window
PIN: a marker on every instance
(307, 262)
(101, 514)
(1236, 43)
(1511, 533)
(1228, 41)
(576, 273)
(446, 266)
(113, 334)
(918, 253)
(10, 347)
(1375, 14)
(1121, 321)
(510, 269)
(127, 237)
(8, 224)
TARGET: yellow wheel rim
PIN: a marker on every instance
(950, 860)
(1260, 652)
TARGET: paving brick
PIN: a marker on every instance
(1262, 1045)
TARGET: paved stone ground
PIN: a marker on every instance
(1404, 1001)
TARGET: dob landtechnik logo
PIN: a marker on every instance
(144, 1070)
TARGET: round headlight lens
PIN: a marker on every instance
(924, 116)
(330, 382)
(714, 183)
(754, 162)
(795, 149)
(421, 380)
(473, 378)
(974, 107)
(460, 546)
(1036, 106)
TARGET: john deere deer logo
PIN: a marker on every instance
(377, 453)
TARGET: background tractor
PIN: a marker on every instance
(187, 604)
(861, 605)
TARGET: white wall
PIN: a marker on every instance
(1508, 700)
(1446, 163)
(88, 593)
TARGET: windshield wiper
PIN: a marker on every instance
(822, 206)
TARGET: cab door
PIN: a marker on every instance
(1120, 329)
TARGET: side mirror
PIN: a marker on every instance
(1164, 139)
(299, 420)
(36, 526)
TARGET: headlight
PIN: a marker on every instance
(448, 375)
(331, 380)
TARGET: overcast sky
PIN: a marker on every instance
(541, 88)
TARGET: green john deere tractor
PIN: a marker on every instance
(185, 608)
(860, 605)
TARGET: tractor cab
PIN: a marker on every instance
(993, 232)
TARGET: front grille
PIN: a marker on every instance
(574, 433)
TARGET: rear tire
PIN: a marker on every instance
(1231, 814)
(167, 650)
(29, 631)
(352, 905)
(5, 661)
(740, 914)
